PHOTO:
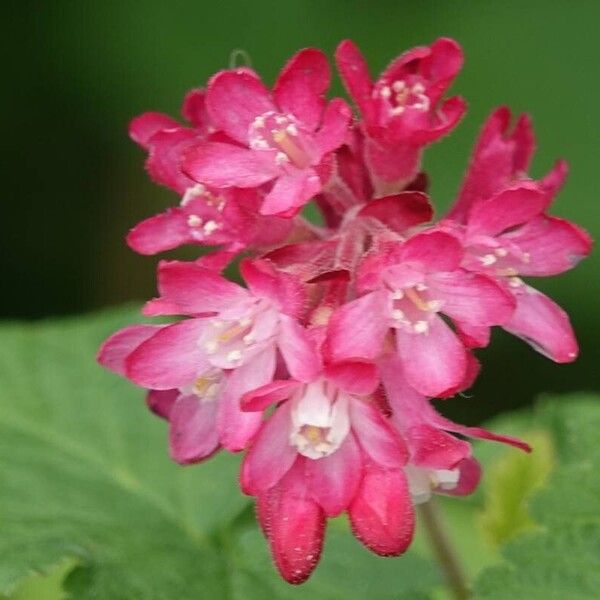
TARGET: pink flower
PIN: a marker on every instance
(325, 451)
(284, 138)
(508, 236)
(407, 288)
(438, 461)
(224, 217)
(228, 347)
(401, 111)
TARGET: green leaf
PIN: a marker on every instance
(563, 559)
(511, 481)
(84, 474)
(85, 481)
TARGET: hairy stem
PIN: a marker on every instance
(443, 550)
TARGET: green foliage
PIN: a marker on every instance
(563, 559)
(511, 481)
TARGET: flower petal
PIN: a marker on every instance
(381, 513)
(291, 192)
(120, 345)
(301, 86)
(296, 526)
(271, 455)
(143, 127)
(552, 245)
(400, 211)
(225, 165)
(193, 433)
(261, 398)
(544, 325)
(236, 427)
(433, 251)
(354, 377)
(376, 437)
(334, 479)
(334, 130)
(354, 71)
(194, 109)
(160, 402)
(188, 288)
(470, 298)
(298, 350)
(357, 329)
(159, 233)
(234, 99)
(170, 358)
(434, 361)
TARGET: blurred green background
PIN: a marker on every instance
(76, 72)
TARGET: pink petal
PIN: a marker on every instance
(357, 329)
(555, 179)
(271, 454)
(193, 433)
(469, 477)
(434, 361)
(301, 86)
(336, 122)
(160, 402)
(433, 251)
(226, 165)
(161, 232)
(236, 428)
(266, 281)
(553, 245)
(470, 298)
(334, 479)
(167, 150)
(381, 513)
(298, 350)
(449, 114)
(194, 109)
(376, 437)
(473, 336)
(544, 325)
(170, 358)
(400, 211)
(433, 448)
(498, 159)
(392, 162)
(354, 377)
(296, 526)
(188, 288)
(120, 345)
(355, 74)
(234, 99)
(291, 192)
(271, 393)
(507, 209)
(144, 126)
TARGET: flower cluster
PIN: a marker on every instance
(321, 366)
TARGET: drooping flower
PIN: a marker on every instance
(324, 451)
(284, 137)
(402, 111)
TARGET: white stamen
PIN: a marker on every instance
(259, 144)
(420, 287)
(248, 339)
(234, 356)
(258, 122)
(385, 92)
(211, 347)
(280, 120)
(421, 327)
(434, 305)
(501, 252)
(515, 282)
(397, 110)
(292, 129)
(397, 314)
(397, 295)
(398, 86)
(210, 226)
(281, 158)
(487, 260)
(194, 221)
(418, 88)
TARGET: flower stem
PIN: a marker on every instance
(444, 550)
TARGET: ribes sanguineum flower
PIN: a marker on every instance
(324, 364)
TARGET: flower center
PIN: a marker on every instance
(502, 261)
(412, 308)
(400, 95)
(206, 386)
(283, 137)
